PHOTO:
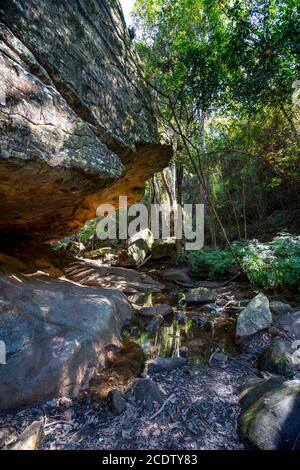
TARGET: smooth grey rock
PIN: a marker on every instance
(255, 317)
(201, 295)
(270, 416)
(116, 402)
(55, 334)
(160, 364)
(146, 393)
(280, 308)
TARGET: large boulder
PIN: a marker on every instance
(255, 317)
(270, 416)
(55, 334)
(76, 122)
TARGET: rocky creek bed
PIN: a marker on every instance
(190, 404)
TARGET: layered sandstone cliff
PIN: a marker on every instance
(77, 127)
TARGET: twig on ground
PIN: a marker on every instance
(144, 262)
(162, 406)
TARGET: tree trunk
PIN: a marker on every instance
(244, 211)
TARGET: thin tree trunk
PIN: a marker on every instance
(201, 118)
(171, 202)
(235, 216)
(179, 181)
(179, 196)
(244, 211)
(168, 189)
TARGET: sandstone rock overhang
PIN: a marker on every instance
(77, 125)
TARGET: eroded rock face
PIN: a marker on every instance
(55, 333)
(76, 123)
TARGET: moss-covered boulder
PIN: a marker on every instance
(164, 248)
(270, 416)
(278, 359)
(201, 295)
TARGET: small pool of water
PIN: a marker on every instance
(192, 339)
(173, 338)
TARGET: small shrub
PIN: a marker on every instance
(211, 263)
(271, 265)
